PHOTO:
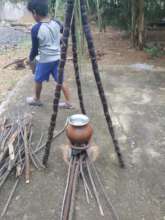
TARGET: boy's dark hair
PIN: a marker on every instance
(40, 7)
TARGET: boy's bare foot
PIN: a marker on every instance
(33, 101)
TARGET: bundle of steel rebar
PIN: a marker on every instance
(16, 152)
(81, 166)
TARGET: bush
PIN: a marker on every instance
(154, 51)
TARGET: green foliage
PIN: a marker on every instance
(112, 12)
(118, 12)
(154, 10)
(154, 51)
(56, 8)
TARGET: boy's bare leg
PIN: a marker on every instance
(35, 100)
(66, 93)
(38, 89)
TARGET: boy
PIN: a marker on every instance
(46, 47)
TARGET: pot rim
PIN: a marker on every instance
(78, 120)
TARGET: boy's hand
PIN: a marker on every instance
(32, 65)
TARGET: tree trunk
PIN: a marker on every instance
(141, 24)
(138, 23)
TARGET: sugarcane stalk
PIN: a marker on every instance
(84, 178)
(7, 173)
(40, 141)
(40, 148)
(27, 161)
(15, 62)
(36, 158)
(66, 188)
(95, 190)
(4, 142)
(67, 25)
(72, 201)
(8, 170)
(33, 160)
(4, 167)
(76, 66)
(69, 192)
(11, 194)
(95, 68)
(86, 192)
(32, 156)
(10, 197)
(113, 211)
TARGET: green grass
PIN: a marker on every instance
(154, 52)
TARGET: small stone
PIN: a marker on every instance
(77, 208)
(17, 198)
(25, 217)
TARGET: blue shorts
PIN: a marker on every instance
(44, 70)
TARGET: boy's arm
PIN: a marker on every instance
(61, 25)
(35, 42)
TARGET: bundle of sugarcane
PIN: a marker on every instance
(16, 151)
(81, 165)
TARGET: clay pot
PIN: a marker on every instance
(79, 130)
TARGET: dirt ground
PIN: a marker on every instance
(117, 49)
(113, 48)
(135, 94)
(10, 76)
